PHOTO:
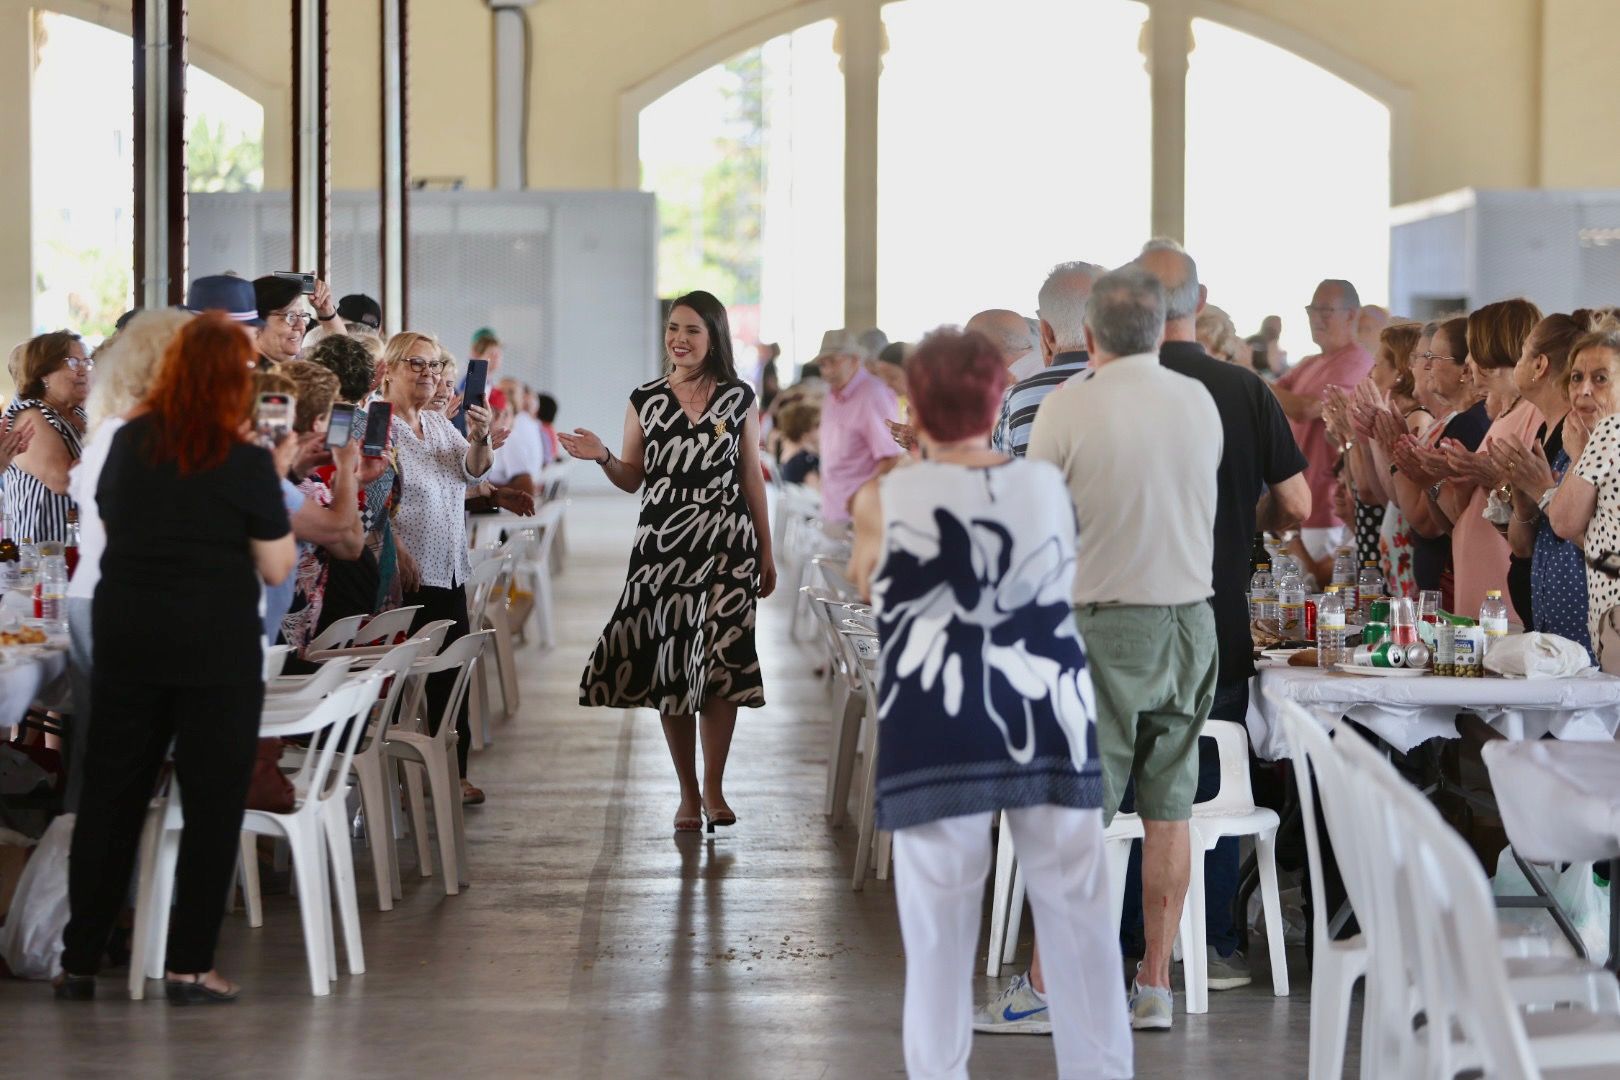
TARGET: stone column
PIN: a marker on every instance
(860, 44)
(1166, 45)
(16, 202)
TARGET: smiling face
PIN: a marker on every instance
(686, 342)
(283, 333)
(1450, 380)
(1591, 383)
(67, 385)
(416, 377)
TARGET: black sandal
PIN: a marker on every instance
(74, 987)
(194, 991)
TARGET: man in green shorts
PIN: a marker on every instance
(1139, 446)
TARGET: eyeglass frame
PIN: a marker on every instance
(1432, 356)
(1313, 310)
(292, 317)
(419, 365)
(79, 363)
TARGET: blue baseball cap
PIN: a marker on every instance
(225, 292)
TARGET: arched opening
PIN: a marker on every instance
(1288, 180)
(1005, 148)
(82, 160)
(747, 162)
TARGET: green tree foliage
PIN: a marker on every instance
(221, 160)
(711, 214)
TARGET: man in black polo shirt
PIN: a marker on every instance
(1260, 485)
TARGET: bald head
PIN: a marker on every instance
(1007, 330)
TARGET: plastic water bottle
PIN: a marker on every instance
(1262, 594)
(1369, 587)
(1344, 576)
(1330, 632)
(1291, 604)
(52, 591)
(1493, 618)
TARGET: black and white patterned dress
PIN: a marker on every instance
(37, 512)
(683, 632)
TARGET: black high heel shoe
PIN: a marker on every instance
(74, 987)
(194, 991)
(723, 818)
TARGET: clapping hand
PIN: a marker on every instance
(1336, 415)
(1422, 466)
(1526, 467)
(1468, 465)
(1388, 429)
(584, 445)
(515, 501)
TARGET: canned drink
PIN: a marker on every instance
(1374, 632)
(1378, 611)
(1418, 655)
(1383, 655)
(1310, 620)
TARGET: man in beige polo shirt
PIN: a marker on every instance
(1139, 446)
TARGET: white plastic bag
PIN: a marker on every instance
(1582, 898)
(31, 939)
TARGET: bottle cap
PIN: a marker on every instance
(1493, 594)
(1369, 562)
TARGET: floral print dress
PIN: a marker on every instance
(985, 702)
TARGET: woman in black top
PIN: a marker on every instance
(194, 519)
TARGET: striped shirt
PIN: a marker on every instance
(1018, 406)
(37, 512)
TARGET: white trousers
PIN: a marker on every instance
(939, 874)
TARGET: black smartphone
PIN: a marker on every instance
(306, 282)
(379, 414)
(339, 422)
(273, 418)
(1607, 563)
(473, 392)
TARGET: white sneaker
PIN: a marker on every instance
(1015, 1011)
(1152, 1008)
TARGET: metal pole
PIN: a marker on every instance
(312, 177)
(394, 177)
(160, 151)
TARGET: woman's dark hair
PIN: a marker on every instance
(350, 361)
(41, 356)
(271, 293)
(1555, 336)
(1456, 331)
(718, 365)
(1496, 332)
(547, 411)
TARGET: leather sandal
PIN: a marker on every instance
(194, 991)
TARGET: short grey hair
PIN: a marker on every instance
(1180, 295)
(1062, 301)
(1126, 312)
(1347, 291)
(1007, 331)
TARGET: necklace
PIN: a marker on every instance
(703, 399)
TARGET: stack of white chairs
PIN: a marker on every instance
(322, 863)
(486, 601)
(1447, 992)
(1232, 812)
(873, 853)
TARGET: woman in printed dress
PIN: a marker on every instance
(682, 638)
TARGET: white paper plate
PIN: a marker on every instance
(1382, 672)
(1280, 654)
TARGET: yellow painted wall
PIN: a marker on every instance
(1580, 109)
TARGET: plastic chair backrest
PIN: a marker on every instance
(275, 658)
(828, 609)
(861, 676)
(331, 675)
(1232, 745)
(325, 767)
(382, 629)
(831, 568)
(461, 655)
(395, 666)
(432, 635)
(483, 579)
(546, 521)
(1315, 759)
(339, 635)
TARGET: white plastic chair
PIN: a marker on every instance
(435, 755)
(288, 691)
(488, 577)
(275, 658)
(1231, 812)
(383, 629)
(339, 635)
(849, 707)
(307, 828)
(872, 846)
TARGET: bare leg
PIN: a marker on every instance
(1036, 978)
(680, 733)
(718, 722)
(1166, 848)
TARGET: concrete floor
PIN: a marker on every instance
(592, 944)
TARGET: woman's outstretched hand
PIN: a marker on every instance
(584, 445)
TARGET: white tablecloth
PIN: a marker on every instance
(25, 680)
(1560, 802)
(1407, 712)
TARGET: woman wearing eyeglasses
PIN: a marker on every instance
(288, 318)
(53, 380)
(436, 463)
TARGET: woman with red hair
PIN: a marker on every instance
(194, 519)
(986, 707)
